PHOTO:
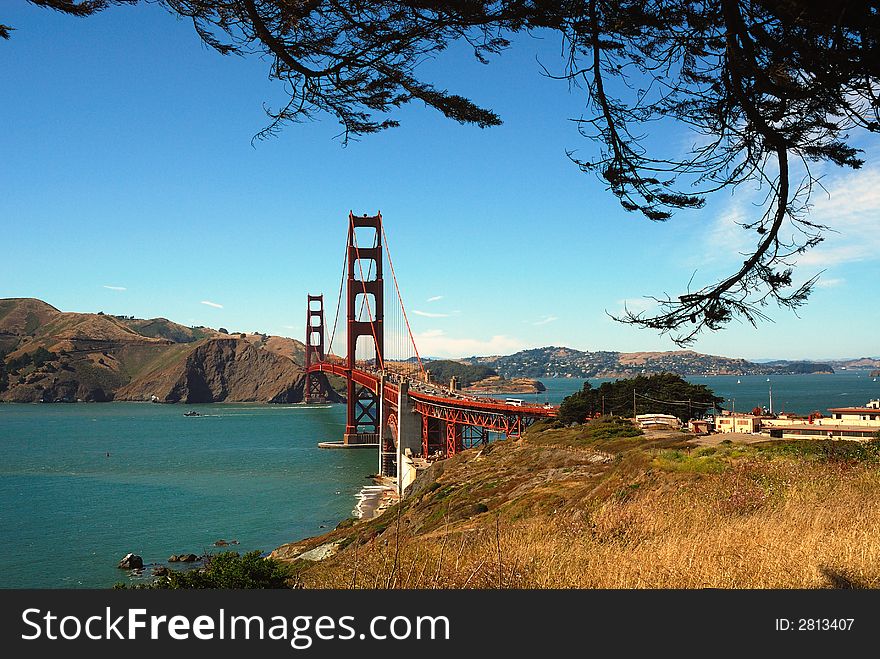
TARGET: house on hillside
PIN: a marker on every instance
(700, 426)
(748, 424)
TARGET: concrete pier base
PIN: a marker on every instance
(354, 440)
(341, 444)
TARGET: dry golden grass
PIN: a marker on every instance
(763, 524)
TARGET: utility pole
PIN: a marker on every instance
(603, 404)
(634, 403)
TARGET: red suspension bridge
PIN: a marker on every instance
(392, 403)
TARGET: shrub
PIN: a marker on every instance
(227, 570)
(664, 393)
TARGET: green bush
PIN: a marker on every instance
(443, 370)
(664, 393)
(227, 570)
(38, 358)
(611, 427)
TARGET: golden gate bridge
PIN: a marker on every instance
(391, 402)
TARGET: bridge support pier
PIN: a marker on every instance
(409, 438)
(364, 412)
(453, 438)
(431, 440)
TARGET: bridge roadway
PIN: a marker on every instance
(431, 401)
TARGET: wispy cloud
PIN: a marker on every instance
(831, 282)
(849, 204)
(115, 288)
(434, 298)
(545, 320)
(436, 343)
(428, 314)
(852, 208)
(290, 327)
(212, 304)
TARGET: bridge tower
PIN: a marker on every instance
(313, 389)
(363, 423)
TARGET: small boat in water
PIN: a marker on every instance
(192, 413)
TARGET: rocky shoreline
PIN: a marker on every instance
(372, 500)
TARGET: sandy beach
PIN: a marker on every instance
(373, 499)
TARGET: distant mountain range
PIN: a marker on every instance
(860, 364)
(566, 362)
(52, 356)
(49, 355)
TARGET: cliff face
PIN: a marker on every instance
(48, 355)
(216, 370)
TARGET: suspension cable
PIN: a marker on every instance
(402, 308)
(339, 299)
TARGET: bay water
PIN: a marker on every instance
(799, 394)
(83, 484)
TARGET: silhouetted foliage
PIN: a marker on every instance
(664, 393)
(769, 88)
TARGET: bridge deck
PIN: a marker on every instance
(436, 396)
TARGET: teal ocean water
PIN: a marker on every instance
(253, 473)
(170, 484)
(800, 394)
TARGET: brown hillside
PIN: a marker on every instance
(162, 328)
(227, 369)
(98, 357)
(285, 347)
(640, 358)
(21, 316)
(90, 327)
(588, 508)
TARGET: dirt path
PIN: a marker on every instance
(735, 437)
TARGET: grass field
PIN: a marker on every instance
(600, 506)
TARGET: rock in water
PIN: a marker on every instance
(220, 543)
(188, 558)
(174, 558)
(131, 562)
(160, 571)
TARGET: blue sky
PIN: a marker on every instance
(129, 185)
